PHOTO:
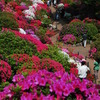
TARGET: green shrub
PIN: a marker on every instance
(41, 32)
(78, 28)
(16, 62)
(53, 53)
(96, 44)
(27, 2)
(46, 22)
(3, 84)
(7, 20)
(10, 44)
(40, 14)
(91, 31)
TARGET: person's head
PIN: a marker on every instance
(83, 62)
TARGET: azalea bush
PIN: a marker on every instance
(93, 21)
(41, 33)
(95, 48)
(54, 54)
(50, 33)
(46, 22)
(26, 65)
(69, 38)
(1, 6)
(75, 20)
(40, 14)
(7, 20)
(16, 60)
(10, 44)
(5, 71)
(27, 2)
(47, 85)
(39, 45)
(77, 29)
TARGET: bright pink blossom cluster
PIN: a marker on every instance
(92, 52)
(5, 71)
(51, 65)
(20, 57)
(34, 63)
(58, 85)
(40, 46)
(69, 38)
(43, 6)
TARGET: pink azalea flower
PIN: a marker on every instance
(42, 82)
(79, 97)
(27, 96)
(57, 89)
(66, 92)
(17, 78)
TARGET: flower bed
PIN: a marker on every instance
(5, 71)
(77, 29)
(46, 85)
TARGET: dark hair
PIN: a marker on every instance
(83, 63)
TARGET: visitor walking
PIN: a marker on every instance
(49, 3)
(83, 69)
(84, 39)
(96, 69)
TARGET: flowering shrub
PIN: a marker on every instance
(92, 52)
(10, 44)
(5, 71)
(90, 77)
(53, 53)
(23, 64)
(40, 46)
(95, 48)
(75, 20)
(93, 21)
(69, 38)
(77, 29)
(40, 14)
(1, 6)
(51, 65)
(41, 33)
(74, 71)
(47, 85)
(7, 20)
(50, 33)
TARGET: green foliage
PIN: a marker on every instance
(27, 2)
(2, 85)
(46, 22)
(78, 28)
(41, 32)
(40, 14)
(7, 20)
(91, 31)
(45, 90)
(96, 44)
(53, 53)
(10, 44)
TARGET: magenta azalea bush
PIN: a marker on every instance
(45, 85)
(92, 52)
(69, 38)
(5, 71)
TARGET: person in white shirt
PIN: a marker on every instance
(83, 69)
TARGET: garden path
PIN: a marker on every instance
(75, 49)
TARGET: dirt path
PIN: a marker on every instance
(76, 49)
